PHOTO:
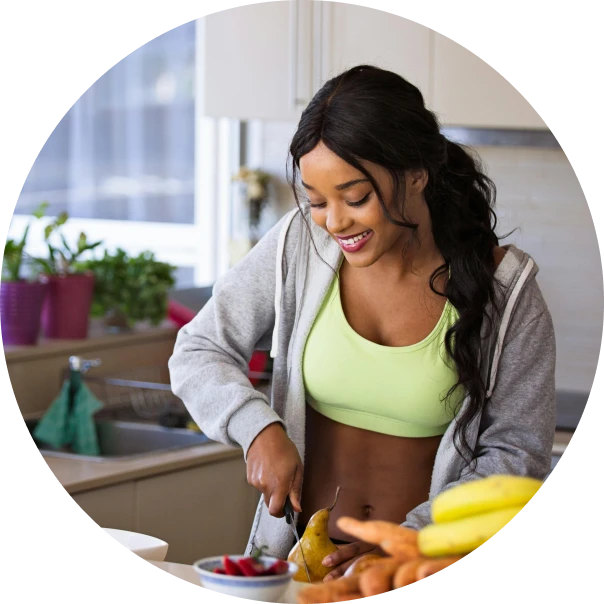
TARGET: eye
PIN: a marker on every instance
(352, 204)
(356, 204)
(315, 206)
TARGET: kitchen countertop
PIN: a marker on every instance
(77, 475)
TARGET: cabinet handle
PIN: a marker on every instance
(294, 8)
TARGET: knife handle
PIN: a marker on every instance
(288, 510)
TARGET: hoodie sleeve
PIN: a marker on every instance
(518, 422)
(209, 366)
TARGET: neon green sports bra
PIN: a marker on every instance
(391, 390)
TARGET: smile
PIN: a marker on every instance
(356, 242)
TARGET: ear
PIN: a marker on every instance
(416, 181)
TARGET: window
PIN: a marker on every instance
(135, 164)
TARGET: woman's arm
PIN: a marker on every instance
(208, 369)
(518, 423)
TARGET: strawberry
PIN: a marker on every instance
(231, 567)
(250, 567)
(280, 567)
(219, 571)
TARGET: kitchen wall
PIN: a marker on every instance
(540, 196)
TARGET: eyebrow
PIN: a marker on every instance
(341, 187)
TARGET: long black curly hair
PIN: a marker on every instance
(367, 113)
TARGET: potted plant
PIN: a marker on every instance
(66, 309)
(130, 289)
(20, 299)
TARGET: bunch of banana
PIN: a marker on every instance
(469, 514)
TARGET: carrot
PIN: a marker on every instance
(376, 531)
(332, 591)
(378, 578)
(362, 563)
(407, 573)
(403, 552)
(429, 567)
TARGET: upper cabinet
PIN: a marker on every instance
(466, 91)
(266, 61)
(254, 61)
(355, 35)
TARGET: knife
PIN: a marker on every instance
(289, 518)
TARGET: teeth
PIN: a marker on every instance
(354, 240)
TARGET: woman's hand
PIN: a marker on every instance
(274, 468)
(346, 556)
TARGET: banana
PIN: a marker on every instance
(484, 495)
(465, 535)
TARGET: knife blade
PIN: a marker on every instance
(289, 518)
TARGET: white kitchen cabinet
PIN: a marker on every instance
(248, 59)
(266, 61)
(354, 35)
(203, 511)
(468, 92)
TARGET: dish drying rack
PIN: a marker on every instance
(143, 393)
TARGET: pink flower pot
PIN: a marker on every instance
(20, 308)
(66, 309)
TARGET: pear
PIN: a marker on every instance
(315, 544)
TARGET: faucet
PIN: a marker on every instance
(82, 365)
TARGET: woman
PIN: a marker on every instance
(412, 352)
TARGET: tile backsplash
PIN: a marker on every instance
(540, 197)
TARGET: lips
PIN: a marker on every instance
(355, 243)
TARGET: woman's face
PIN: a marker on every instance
(343, 202)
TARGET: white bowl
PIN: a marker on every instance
(265, 589)
(145, 546)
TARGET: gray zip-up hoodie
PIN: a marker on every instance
(270, 299)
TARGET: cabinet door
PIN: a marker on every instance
(468, 92)
(246, 62)
(199, 512)
(110, 507)
(354, 35)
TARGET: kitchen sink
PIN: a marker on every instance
(125, 440)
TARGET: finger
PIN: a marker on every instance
(340, 570)
(344, 553)
(378, 579)
(430, 567)
(295, 492)
(376, 531)
(277, 501)
(407, 573)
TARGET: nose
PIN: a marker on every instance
(338, 219)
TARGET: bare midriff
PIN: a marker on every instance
(381, 477)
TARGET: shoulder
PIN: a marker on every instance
(498, 253)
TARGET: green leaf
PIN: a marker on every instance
(65, 245)
(259, 551)
(40, 211)
(61, 219)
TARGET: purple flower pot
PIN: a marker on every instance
(67, 306)
(20, 308)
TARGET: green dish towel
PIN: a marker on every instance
(60, 428)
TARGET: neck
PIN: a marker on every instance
(413, 255)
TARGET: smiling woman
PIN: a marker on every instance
(411, 351)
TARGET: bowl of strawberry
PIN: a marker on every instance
(256, 577)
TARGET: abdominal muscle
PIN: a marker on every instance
(382, 477)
